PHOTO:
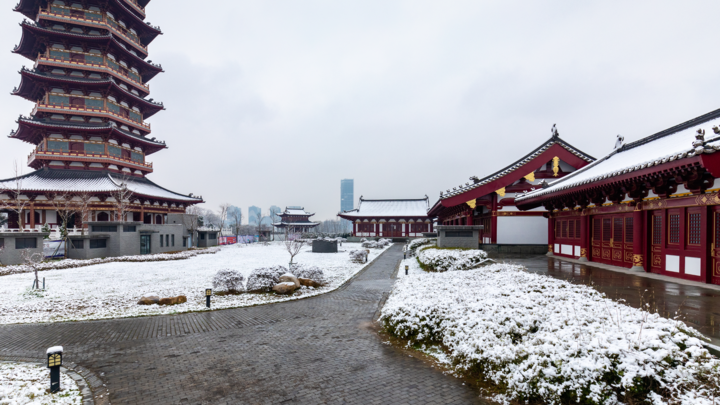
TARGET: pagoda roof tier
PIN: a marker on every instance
(508, 175)
(284, 224)
(295, 211)
(399, 208)
(145, 31)
(29, 45)
(32, 91)
(88, 181)
(26, 127)
(680, 148)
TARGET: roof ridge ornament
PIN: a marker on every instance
(554, 131)
(619, 142)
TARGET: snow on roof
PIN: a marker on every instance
(55, 349)
(665, 146)
(308, 223)
(89, 181)
(389, 208)
(295, 211)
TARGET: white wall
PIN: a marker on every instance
(522, 230)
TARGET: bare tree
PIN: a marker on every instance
(190, 220)
(274, 211)
(83, 200)
(14, 203)
(33, 260)
(235, 218)
(122, 196)
(293, 245)
(259, 217)
(66, 208)
(223, 213)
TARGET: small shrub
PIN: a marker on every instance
(441, 260)
(265, 278)
(228, 280)
(358, 256)
(417, 243)
(310, 272)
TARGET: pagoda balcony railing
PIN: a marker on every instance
(55, 13)
(88, 157)
(134, 4)
(47, 60)
(64, 109)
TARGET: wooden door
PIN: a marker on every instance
(607, 223)
(612, 239)
(657, 236)
(715, 246)
(596, 240)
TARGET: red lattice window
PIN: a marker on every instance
(717, 229)
(564, 225)
(607, 229)
(674, 229)
(618, 230)
(694, 226)
(656, 229)
(577, 229)
(628, 230)
(571, 230)
(597, 229)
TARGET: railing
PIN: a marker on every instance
(115, 72)
(62, 107)
(48, 154)
(103, 22)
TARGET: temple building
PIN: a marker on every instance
(490, 201)
(89, 82)
(651, 205)
(295, 220)
(390, 218)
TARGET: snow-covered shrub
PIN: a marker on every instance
(264, 278)
(435, 259)
(381, 243)
(371, 244)
(358, 256)
(311, 272)
(228, 280)
(415, 244)
(363, 240)
(544, 340)
(72, 263)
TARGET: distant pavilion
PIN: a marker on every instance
(295, 220)
(390, 218)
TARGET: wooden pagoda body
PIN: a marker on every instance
(390, 218)
(490, 201)
(89, 82)
(650, 205)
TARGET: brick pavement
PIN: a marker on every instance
(319, 350)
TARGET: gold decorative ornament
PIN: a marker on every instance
(550, 248)
(530, 177)
(556, 166)
(501, 192)
(472, 204)
(583, 252)
(637, 260)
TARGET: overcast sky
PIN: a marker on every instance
(274, 102)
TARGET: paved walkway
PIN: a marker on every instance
(696, 305)
(312, 351)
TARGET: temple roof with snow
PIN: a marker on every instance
(414, 208)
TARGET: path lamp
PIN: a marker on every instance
(54, 362)
(406, 269)
(208, 293)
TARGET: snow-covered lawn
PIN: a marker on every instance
(549, 341)
(112, 290)
(28, 384)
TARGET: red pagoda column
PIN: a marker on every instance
(638, 239)
(493, 220)
(551, 233)
(584, 236)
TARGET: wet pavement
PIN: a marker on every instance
(696, 306)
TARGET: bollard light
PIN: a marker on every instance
(54, 362)
(406, 269)
(208, 293)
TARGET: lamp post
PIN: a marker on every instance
(54, 362)
(208, 293)
(406, 269)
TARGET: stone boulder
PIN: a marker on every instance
(180, 299)
(149, 300)
(289, 278)
(309, 283)
(285, 288)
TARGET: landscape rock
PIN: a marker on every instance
(173, 300)
(289, 278)
(285, 288)
(150, 300)
(309, 283)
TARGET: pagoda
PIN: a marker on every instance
(295, 220)
(89, 82)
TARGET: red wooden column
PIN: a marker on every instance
(32, 216)
(639, 233)
(584, 236)
(551, 233)
(493, 220)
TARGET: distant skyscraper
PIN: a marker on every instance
(347, 198)
(253, 212)
(275, 210)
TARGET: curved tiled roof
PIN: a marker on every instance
(389, 208)
(666, 146)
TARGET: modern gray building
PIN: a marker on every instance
(347, 199)
(253, 212)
